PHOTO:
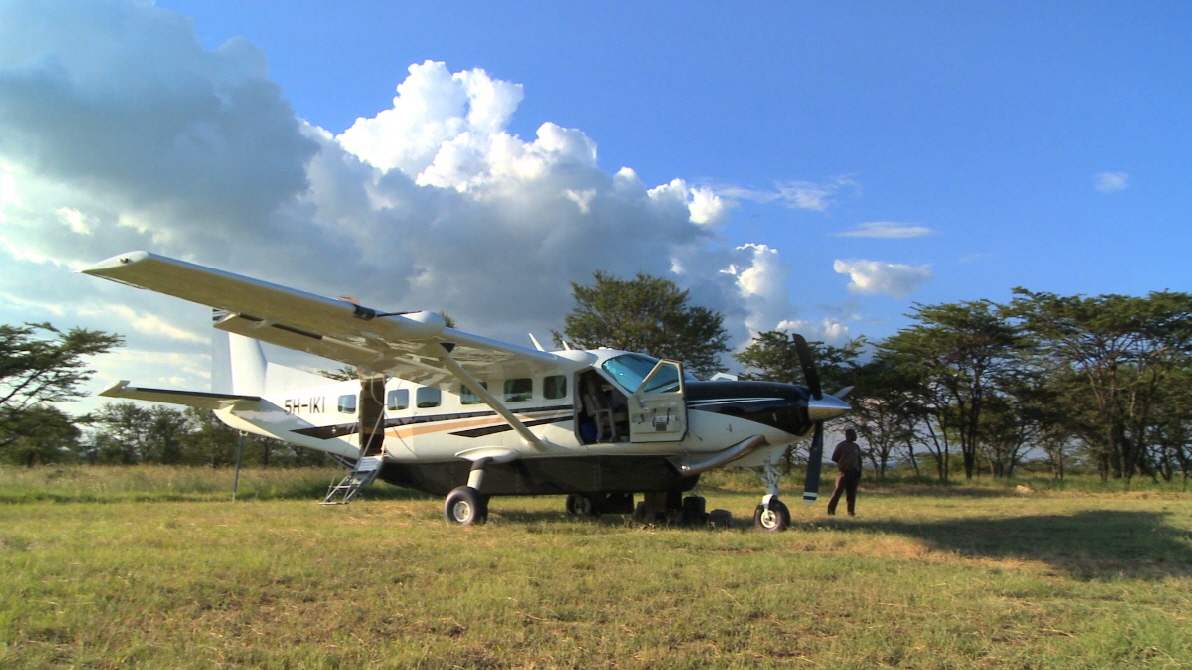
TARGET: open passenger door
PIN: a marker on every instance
(657, 410)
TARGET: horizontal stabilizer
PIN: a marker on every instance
(192, 398)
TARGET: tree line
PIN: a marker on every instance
(1100, 382)
(972, 387)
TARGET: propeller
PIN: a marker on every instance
(807, 362)
(815, 455)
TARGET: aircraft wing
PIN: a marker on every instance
(408, 345)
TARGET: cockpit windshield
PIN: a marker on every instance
(629, 370)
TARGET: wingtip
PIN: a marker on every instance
(114, 262)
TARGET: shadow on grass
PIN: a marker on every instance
(1098, 543)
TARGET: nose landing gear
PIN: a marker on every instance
(772, 514)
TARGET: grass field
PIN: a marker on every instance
(152, 567)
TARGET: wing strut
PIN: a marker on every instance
(476, 387)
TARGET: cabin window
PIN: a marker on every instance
(519, 390)
(429, 396)
(347, 404)
(398, 399)
(554, 387)
(466, 397)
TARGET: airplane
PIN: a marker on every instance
(470, 418)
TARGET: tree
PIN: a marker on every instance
(962, 352)
(648, 315)
(771, 356)
(40, 364)
(209, 440)
(121, 433)
(1124, 350)
(884, 413)
(44, 434)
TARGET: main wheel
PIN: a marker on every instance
(640, 515)
(776, 518)
(580, 505)
(465, 506)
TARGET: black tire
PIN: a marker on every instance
(617, 503)
(640, 514)
(694, 511)
(465, 507)
(582, 505)
(774, 520)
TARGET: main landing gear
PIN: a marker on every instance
(465, 505)
(597, 504)
(663, 507)
(771, 515)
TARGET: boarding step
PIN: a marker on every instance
(362, 474)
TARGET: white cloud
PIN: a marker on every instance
(829, 330)
(1108, 182)
(794, 194)
(875, 277)
(810, 195)
(150, 324)
(761, 284)
(889, 230)
(432, 204)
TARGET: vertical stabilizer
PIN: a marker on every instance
(248, 365)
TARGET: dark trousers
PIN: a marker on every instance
(846, 483)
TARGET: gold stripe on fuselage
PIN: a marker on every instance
(457, 424)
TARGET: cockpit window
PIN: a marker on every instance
(629, 370)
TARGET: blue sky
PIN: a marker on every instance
(835, 162)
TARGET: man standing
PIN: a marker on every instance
(847, 457)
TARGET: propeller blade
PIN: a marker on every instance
(815, 458)
(808, 364)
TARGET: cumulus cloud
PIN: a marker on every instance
(874, 277)
(888, 230)
(122, 132)
(1108, 182)
(829, 330)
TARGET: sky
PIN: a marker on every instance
(816, 167)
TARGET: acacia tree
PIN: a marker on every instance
(649, 315)
(1123, 349)
(884, 413)
(40, 364)
(962, 352)
(771, 356)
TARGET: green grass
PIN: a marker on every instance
(957, 577)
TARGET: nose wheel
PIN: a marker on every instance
(772, 516)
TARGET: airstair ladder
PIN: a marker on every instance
(361, 475)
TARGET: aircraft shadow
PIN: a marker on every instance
(1092, 544)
